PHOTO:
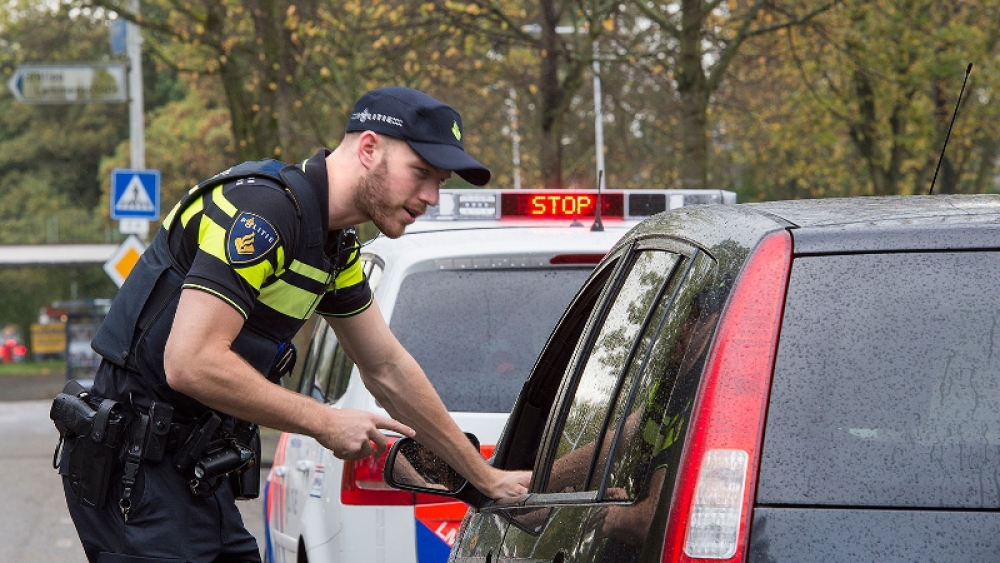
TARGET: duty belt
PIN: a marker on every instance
(203, 451)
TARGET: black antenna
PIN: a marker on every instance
(968, 70)
(598, 225)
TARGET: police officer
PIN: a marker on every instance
(206, 317)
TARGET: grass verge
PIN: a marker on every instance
(45, 367)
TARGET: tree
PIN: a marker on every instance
(701, 39)
(49, 155)
(889, 73)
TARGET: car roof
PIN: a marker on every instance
(861, 224)
(874, 210)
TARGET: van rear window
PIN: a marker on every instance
(887, 383)
(477, 333)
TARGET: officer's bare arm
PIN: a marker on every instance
(199, 363)
(400, 385)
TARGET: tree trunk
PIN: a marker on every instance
(551, 124)
(863, 132)
(692, 89)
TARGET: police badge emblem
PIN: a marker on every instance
(250, 237)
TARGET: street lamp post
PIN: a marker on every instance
(515, 137)
(598, 119)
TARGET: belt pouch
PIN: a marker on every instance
(246, 482)
(158, 432)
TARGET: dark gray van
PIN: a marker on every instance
(778, 382)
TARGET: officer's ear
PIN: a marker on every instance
(368, 147)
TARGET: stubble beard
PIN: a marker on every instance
(372, 196)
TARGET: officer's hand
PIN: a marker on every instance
(508, 484)
(356, 434)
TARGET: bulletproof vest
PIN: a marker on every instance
(135, 331)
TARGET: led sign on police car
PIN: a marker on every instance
(560, 205)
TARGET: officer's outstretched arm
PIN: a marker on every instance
(200, 363)
(400, 385)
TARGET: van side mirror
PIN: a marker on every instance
(412, 467)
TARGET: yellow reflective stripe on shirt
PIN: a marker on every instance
(280, 260)
(255, 274)
(212, 238)
(222, 203)
(308, 271)
(170, 216)
(193, 209)
(289, 300)
(353, 275)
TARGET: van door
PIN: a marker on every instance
(483, 531)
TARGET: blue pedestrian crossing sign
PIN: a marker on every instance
(135, 194)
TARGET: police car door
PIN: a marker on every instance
(303, 467)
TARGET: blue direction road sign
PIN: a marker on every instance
(69, 84)
(135, 194)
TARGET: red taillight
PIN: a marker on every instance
(362, 483)
(718, 471)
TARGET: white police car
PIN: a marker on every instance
(473, 291)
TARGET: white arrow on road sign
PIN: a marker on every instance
(69, 84)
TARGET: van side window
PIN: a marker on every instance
(520, 450)
(657, 411)
(584, 423)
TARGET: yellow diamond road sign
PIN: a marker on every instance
(124, 259)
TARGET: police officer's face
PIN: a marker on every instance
(399, 189)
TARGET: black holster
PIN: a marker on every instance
(92, 429)
(218, 450)
(246, 481)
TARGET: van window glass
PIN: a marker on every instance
(598, 383)
(535, 401)
(886, 385)
(477, 333)
(657, 415)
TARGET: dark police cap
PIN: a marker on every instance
(433, 129)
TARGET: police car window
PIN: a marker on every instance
(585, 420)
(341, 375)
(373, 270)
(306, 369)
(477, 333)
(324, 365)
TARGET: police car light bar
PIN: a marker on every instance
(493, 204)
